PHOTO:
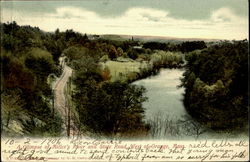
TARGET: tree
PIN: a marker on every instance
(104, 58)
(212, 78)
(191, 46)
(75, 53)
(15, 74)
(112, 108)
(191, 127)
(106, 73)
(112, 52)
(25, 94)
(12, 106)
(132, 53)
(41, 64)
(119, 51)
(57, 34)
(155, 46)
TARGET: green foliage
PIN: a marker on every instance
(183, 47)
(12, 107)
(155, 46)
(112, 108)
(38, 55)
(105, 107)
(15, 74)
(112, 52)
(17, 39)
(166, 59)
(191, 46)
(75, 53)
(26, 64)
(51, 127)
(122, 70)
(104, 58)
(132, 53)
(119, 52)
(41, 64)
(106, 73)
(216, 85)
(55, 47)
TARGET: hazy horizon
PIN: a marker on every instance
(209, 19)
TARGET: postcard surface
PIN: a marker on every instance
(115, 80)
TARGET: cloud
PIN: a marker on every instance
(71, 12)
(222, 24)
(145, 14)
(224, 15)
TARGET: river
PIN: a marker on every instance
(165, 110)
(163, 95)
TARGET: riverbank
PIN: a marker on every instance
(166, 114)
(134, 70)
(128, 70)
(164, 107)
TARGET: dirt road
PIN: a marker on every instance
(61, 105)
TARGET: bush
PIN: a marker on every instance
(162, 59)
(104, 58)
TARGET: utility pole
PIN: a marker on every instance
(53, 103)
(53, 95)
(68, 103)
(67, 106)
(68, 120)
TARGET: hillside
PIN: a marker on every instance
(147, 38)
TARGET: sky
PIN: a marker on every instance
(210, 19)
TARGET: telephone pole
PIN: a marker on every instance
(68, 104)
(53, 102)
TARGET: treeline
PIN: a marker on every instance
(139, 50)
(216, 85)
(159, 59)
(113, 49)
(183, 47)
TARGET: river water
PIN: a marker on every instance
(165, 110)
(163, 95)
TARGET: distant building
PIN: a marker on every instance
(137, 47)
(93, 37)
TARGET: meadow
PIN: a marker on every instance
(120, 70)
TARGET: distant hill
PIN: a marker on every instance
(145, 38)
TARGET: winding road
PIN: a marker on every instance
(61, 103)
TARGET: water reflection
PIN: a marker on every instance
(166, 113)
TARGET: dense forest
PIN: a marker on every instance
(27, 59)
(216, 85)
(104, 107)
(104, 101)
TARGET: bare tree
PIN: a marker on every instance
(191, 127)
(163, 126)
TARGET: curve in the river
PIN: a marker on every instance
(165, 106)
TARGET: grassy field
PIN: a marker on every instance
(119, 70)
